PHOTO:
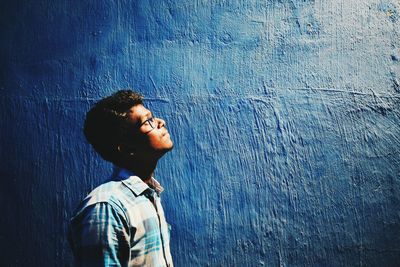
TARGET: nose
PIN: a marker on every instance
(161, 123)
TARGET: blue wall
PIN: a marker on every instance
(285, 116)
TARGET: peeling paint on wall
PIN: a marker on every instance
(285, 117)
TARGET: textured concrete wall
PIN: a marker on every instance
(285, 116)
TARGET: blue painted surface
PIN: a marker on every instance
(285, 116)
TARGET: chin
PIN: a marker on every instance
(165, 149)
(172, 146)
(169, 147)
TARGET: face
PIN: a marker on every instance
(153, 136)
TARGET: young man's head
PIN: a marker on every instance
(121, 129)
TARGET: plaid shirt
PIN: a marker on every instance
(121, 223)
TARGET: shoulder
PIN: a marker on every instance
(110, 194)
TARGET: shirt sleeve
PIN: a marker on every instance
(100, 237)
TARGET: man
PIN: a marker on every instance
(121, 222)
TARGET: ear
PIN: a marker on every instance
(125, 149)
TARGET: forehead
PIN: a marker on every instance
(138, 113)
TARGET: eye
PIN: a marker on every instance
(150, 122)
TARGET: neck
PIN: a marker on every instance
(143, 169)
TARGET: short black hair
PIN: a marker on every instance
(107, 125)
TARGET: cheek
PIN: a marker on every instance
(155, 140)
